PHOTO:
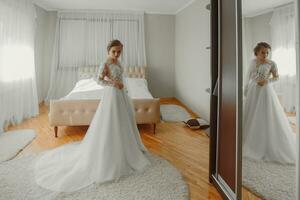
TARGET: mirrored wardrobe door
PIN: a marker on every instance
(270, 101)
(297, 3)
(226, 118)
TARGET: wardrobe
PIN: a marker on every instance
(225, 170)
(226, 105)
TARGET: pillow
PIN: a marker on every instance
(88, 72)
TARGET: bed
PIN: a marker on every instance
(79, 106)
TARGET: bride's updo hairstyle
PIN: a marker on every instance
(114, 43)
(261, 45)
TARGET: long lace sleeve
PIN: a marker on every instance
(103, 77)
(274, 72)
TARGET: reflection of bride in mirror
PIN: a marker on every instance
(267, 134)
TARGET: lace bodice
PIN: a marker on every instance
(115, 72)
(266, 71)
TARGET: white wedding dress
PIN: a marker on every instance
(267, 134)
(112, 147)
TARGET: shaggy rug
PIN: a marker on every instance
(173, 113)
(268, 180)
(292, 120)
(12, 142)
(161, 181)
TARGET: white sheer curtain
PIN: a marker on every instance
(18, 93)
(81, 40)
(284, 54)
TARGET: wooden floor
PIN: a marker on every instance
(292, 114)
(186, 149)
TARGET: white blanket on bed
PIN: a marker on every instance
(89, 89)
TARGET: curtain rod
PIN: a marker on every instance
(283, 5)
(97, 20)
(89, 11)
(267, 10)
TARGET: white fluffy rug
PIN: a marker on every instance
(12, 142)
(269, 180)
(292, 120)
(173, 113)
(161, 181)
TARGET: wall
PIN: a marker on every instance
(256, 29)
(260, 28)
(192, 59)
(159, 41)
(173, 43)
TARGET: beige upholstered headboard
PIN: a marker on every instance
(135, 71)
(129, 71)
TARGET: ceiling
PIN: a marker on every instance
(149, 6)
(256, 7)
(250, 7)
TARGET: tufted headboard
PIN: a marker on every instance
(129, 71)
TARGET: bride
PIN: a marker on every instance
(267, 134)
(112, 147)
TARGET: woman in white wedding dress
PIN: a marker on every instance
(267, 134)
(112, 147)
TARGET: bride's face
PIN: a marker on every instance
(115, 52)
(263, 53)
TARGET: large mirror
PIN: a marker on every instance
(269, 100)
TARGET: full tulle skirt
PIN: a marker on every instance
(112, 148)
(267, 134)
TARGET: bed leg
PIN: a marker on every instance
(154, 127)
(55, 130)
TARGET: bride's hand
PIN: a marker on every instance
(261, 82)
(118, 85)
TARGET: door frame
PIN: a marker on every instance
(215, 38)
(214, 78)
(214, 99)
(297, 16)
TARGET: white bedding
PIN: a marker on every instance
(137, 88)
(89, 89)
